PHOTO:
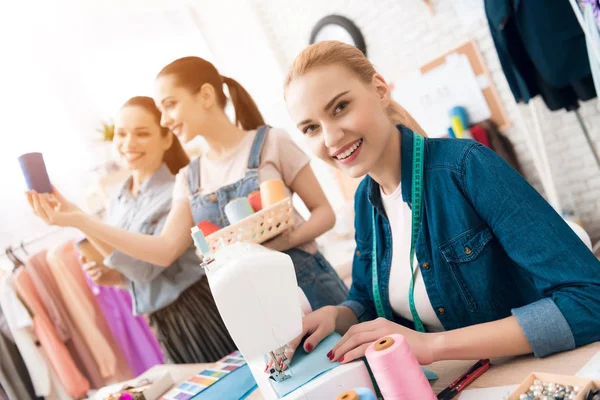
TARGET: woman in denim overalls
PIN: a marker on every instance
(320, 283)
(189, 93)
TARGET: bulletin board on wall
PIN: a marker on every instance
(471, 51)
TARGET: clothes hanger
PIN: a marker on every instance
(22, 247)
(12, 257)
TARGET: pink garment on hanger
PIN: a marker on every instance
(69, 375)
(46, 286)
(65, 265)
(82, 307)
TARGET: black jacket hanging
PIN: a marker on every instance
(542, 51)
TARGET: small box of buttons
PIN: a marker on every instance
(545, 386)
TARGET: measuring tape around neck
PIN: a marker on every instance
(417, 200)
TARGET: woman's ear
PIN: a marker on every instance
(382, 89)
(207, 95)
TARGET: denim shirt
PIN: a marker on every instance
(152, 287)
(489, 247)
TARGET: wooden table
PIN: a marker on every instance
(503, 372)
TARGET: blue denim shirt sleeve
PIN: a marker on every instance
(547, 250)
(132, 268)
(360, 299)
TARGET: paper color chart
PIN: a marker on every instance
(203, 379)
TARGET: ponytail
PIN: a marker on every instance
(175, 157)
(193, 72)
(399, 115)
(247, 115)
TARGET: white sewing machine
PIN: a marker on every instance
(255, 290)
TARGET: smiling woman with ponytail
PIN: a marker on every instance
(240, 155)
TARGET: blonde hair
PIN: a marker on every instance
(333, 52)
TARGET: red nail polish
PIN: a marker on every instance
(308, 347)
(330, 354)
(341, 359)
(267, 368)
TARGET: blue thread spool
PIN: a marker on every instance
(200, 241)
(238, 209)
(34, 171)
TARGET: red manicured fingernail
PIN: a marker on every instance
(341, 359)
(267, 368)
(330, 354)
(308, 347)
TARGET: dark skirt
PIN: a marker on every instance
(190, 330)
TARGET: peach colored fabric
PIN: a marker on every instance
(75, 384)
(81, 308)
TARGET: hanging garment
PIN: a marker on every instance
(480, 134)
(592, 42)
(536, 57)
(139, 345)
(501, 145)
(21, 326)
(46, 286)
(82, 307)
(75, 384)
(14, 377)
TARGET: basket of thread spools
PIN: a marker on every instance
(257, 218)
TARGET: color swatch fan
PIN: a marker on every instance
(230, 367)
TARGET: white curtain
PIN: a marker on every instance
(66, 67)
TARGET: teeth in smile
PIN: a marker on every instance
(349, 152)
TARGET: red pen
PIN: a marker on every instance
(465, 379)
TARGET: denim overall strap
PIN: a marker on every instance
(257, 145)
(194, 175)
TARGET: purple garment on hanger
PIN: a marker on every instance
(133, 334)
(596, 8)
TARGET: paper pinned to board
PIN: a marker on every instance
(491, 393)
(591, 369)
(430, 96)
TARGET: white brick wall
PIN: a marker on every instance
(401, 35)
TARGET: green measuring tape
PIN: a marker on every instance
(417, 200)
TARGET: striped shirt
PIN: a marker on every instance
(152, 287)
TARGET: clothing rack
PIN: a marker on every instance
(596, 56)
(23, 244)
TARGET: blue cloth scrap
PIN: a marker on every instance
(307, 366)
(237, 385)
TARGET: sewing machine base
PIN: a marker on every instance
(327, 386)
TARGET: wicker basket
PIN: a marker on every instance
(257, 228)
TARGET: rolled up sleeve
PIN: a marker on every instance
(547, 251)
